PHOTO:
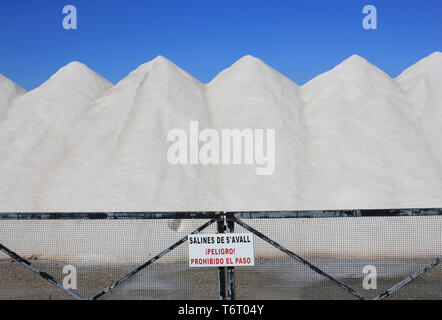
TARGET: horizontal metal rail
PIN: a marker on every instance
(107, 215)
(338, 213)
(215, 214)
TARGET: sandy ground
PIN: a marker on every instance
(269, 279)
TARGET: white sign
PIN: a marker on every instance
(221, 250)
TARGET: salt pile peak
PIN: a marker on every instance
(427, 69)
(54, 106)
(356, 73)
(246, 69)
(252, 95)
(64, 96)
(33, 135)
(251, 86)
(120, 147)
(422, 84)
(8, 92)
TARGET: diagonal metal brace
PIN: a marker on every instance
(138, 269)
(42, 274)
(409, 279)
(298, 258)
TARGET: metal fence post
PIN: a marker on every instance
(230, 270)
(221, 270)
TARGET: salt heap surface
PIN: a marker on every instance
(364, 145)
(117, 157)
(252, 95)
(8, 92)
(422, 84)
(33, 135)
(350, 138)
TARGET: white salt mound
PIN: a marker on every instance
(364, 145)
(252, 95)
(116, 159)
(33, 136)
(422, 84)
(350, 138)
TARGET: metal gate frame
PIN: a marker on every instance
(225, 222)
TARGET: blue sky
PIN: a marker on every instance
(299, 38)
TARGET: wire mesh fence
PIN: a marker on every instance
(147, 258)
(346, 248)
